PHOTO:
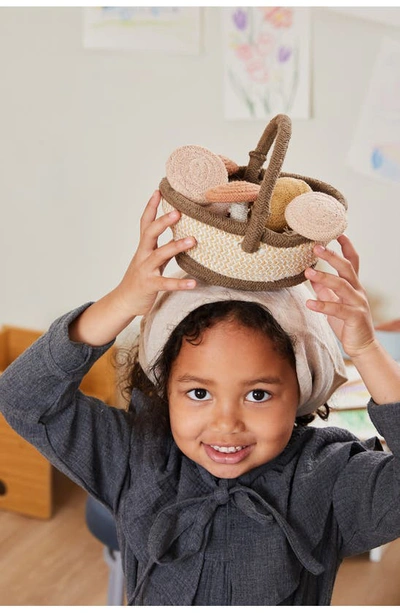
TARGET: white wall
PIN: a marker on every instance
(84, 136)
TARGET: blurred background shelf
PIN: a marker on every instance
(26, 477)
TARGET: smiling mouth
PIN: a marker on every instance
(227, 455)
(228, 449)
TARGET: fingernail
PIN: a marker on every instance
(190, 283)
(189, 241)
(174, 214)
(311, 304)
(310, 272)
(319, 248)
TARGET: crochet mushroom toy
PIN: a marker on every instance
(234, 198)
(285, 190)
(192, 170)
(236, 195)
(204, 177)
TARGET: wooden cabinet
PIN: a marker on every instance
(25, 475)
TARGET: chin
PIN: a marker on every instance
(224, 471)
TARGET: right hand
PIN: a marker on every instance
(138, 290)
(102, 321)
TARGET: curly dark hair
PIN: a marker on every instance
(249, 314)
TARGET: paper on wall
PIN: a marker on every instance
(375, 150)
(167, 29)
(266, 62)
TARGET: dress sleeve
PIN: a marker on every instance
(81, 436)
(366, 495)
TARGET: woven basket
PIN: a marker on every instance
(247, 255)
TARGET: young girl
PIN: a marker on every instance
(222, 494)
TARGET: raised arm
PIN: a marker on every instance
(39, 392)
(137, 291)
(342, 298)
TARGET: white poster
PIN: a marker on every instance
(266, 62)
(376, 144)
(162, 29)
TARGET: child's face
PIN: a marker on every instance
(232, 400)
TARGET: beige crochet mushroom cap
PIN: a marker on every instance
(286, 188)
(192, 170)
(234, 191)
(317, 216)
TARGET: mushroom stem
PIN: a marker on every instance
(239, 211)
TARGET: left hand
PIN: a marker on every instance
(342, 298)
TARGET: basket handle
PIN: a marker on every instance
(279, 130)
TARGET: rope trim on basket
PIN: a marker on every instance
(193, 268)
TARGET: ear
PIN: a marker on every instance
(317, 216)
(192, 170)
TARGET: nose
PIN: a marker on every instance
(227, 418)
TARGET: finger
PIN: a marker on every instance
(339, 286)
(349, 252)
(343, 266)
(323, 293)
(161, 256)
(345, 312)
(152, 232)
(170, 284)
(157, 284)
(150, 211)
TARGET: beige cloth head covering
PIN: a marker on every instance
(319, 364)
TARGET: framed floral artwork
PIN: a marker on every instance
(266, 59)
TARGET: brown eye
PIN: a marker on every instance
(199, 394)
(258, 396)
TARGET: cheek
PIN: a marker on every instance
(184, 423)
(275, 427)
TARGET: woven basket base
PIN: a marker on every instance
(198, 271)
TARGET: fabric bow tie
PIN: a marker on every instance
(192, 517)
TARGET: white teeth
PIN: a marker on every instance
(227, 449)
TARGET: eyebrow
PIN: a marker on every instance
(188, 378)
(267, 380)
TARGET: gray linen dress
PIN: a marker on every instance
(274, 536)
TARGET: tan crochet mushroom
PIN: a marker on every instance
(286, 188)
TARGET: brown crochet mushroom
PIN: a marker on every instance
(230, 165)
